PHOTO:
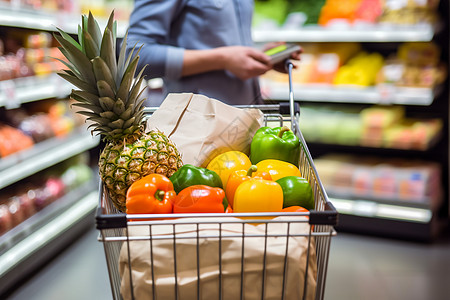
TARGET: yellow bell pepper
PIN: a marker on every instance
(278, 169)
(258, 195)
(238, 177)
(226, 163)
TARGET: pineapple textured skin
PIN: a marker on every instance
(123, 163)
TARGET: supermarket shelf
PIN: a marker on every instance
(419, 212)
(396, 220)
(391, 228)
(13, 16)
(368, 33)
(43, 155)
(318, 146)
(14, 92)
(12, 237)
(369, 95)
(41, 236)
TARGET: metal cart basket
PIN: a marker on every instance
(114, 230)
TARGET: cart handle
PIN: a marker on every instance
(293, 110)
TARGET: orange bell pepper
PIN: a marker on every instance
(239, 176)
(152, 194)
(294, 208)
(199, 199)
(258, 195)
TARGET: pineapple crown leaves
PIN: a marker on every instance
(108, 94)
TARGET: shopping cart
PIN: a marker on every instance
(114, 230)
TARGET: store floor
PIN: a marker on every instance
(360, 267)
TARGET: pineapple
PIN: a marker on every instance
(110, 97)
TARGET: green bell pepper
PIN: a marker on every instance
(296, 192)
(189, 175)
(275, 143)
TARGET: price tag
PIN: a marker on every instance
(365, 208)
(393, 72)
(328, 63)
(16, 4)
(422, 3)
(396, 4)
(387, 92)
(9, 91)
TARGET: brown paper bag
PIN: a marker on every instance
(202, 127)
(186, 258)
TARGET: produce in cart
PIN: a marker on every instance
(296, 192)
(226, 163)
(110, 96)
(152, 194)
(199, 198)
(278, 168)
(189, 175)
(275, 143)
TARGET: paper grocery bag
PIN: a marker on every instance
(252, 262)
(203, 127)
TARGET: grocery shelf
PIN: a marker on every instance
(43, 155)
(392, 228)
(9, 239)
(14, 92)
(428, 150)
(346, 94)
(366, 33)
(19, 16)
(396, 210)
(34, 240)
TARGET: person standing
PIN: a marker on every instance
(200, 46)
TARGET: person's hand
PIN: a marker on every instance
(244, 62)
(280, 67)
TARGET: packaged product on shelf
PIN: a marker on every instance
(384, 185)
(17, 213)
(12, 65)
(336, 174)
(310, 9)
(13, 140)
(362, 180)
(375, 120)
(270, 14)
(360, 70)
(377, 178)
(412, 134)
(29, 53)
(50, 6)
(417, 64)
(376, 126)
(329, 57)
(6, 222)
(21, 200)
(38, 40)
(339, 12)
(410, 12)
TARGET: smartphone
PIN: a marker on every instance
(282, 52)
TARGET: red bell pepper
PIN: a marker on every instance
(199, 199)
